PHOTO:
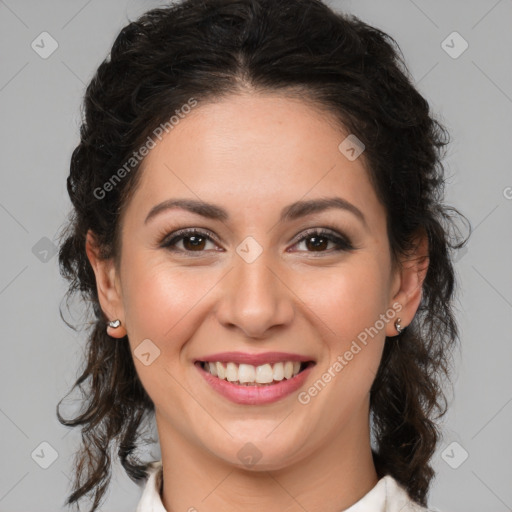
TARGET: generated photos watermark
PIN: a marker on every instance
(304, 397)
(138, 156)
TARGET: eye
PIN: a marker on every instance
(320, 239)
(193, 240)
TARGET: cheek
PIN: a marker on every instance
(349, 302)
(348, 299)
(152, 300)
(161, 301)
(349, 305)
(159, 304)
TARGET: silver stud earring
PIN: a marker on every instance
(398, 327)
(114, 323)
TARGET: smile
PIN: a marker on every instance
(248, 374)
(252, 385)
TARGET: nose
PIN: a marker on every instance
(255, 297)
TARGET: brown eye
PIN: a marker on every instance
(193, 242)
(317, 240)
(192, 239)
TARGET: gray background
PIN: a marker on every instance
(40, 111)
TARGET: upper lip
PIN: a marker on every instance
(254, 359)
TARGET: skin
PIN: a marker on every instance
(254, 154)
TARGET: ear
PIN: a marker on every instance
(108, 285)
(408, 282)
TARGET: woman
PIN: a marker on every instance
(258, 224)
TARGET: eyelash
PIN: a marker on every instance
(342, 242)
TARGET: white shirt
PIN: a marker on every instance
(387, 496)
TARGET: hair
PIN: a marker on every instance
(209, 50)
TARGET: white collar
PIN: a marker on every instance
(387, 496)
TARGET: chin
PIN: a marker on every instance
(259, 453)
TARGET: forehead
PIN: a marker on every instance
(253, 151)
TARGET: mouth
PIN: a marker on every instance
(264, 375)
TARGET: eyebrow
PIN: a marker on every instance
(291, 212)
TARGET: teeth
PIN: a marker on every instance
(278, 371)
(231, 372)
(213, 368)
(247, 374)
(221, 372)
(264, 374)
(288, 369)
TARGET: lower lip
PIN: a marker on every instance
(255, 395)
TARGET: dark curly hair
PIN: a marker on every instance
(209, 49)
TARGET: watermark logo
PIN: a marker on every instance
(249, 454)
(146, 352)
(351, 147)
(454, 455)
(44, 455)
(44, 45)
(454, 45)
(44, 250)
(249, 249)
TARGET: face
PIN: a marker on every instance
(256, 278)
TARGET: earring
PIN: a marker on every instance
(114, 323)
(398, 327)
